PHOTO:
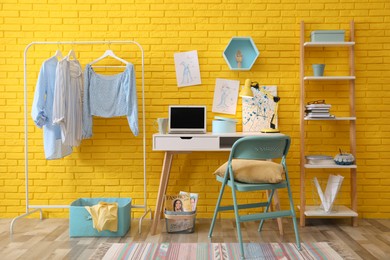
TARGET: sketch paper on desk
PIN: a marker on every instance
(257, 111)
(331, 190)
(225, 96)
(187, 69)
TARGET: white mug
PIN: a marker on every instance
(162, 125)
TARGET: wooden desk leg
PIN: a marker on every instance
(277, 208)
(166, 169)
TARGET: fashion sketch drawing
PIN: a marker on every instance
(187, 69)
(225, 96)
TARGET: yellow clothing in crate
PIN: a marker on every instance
(104, 216)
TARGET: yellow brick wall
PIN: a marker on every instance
(110, 164)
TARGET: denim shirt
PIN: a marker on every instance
(109, 96)
(42, 111)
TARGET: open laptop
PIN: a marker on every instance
(187, 119)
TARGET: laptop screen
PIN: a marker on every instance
(187, 119)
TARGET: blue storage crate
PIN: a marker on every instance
(328, 36)
(80, 221)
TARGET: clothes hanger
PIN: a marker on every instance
(58, 54)
(71, 54)
(109, 53)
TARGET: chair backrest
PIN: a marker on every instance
(261, 147)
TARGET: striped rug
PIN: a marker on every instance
(213, 251)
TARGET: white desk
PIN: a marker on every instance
(178, 143)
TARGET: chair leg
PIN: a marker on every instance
(266, 210)
(217, 209)
(294, 218)
(238, 222)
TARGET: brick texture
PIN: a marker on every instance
(110, 163)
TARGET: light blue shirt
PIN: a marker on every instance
(109, 96)
(42, 111)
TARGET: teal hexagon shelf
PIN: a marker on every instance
(244, 47)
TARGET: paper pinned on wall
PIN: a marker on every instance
(257, 111)
(225, 96)
(187, 69)
(331, 191)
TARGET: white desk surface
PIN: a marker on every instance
(236, 134)
(201, 142)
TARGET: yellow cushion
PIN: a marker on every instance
(254, 171)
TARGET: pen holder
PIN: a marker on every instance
(318, 70)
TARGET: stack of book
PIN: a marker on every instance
(318, 111)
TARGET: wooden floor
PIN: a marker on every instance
(49, 238)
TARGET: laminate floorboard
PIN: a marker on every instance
(49, 238)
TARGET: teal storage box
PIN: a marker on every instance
(80, 221)
(328, 36)
(224, 125)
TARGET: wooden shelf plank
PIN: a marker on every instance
(329, 78)
(328, 44)
(330, 166)
(337, 211)
(352, 118)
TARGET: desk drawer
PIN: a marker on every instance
(186, 143)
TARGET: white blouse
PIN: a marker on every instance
(67, 104)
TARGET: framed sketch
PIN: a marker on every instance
(225, 96)
(187, 69)
(257, 112)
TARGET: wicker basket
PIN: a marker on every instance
(180, 222)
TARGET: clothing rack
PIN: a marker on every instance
(39, 208)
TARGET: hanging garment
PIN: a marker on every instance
(104, 216)
(67, 104)
(109, 96)
(42, 111)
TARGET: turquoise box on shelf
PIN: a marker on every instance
(328, 36)
(80, 221)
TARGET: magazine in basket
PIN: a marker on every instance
(193, 199)
(178, 203)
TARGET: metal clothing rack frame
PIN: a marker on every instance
(40, 207)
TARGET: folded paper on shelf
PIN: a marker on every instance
(332, 188)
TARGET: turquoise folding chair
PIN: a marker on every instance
(256, 148)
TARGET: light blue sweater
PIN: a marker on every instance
(109, 96)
